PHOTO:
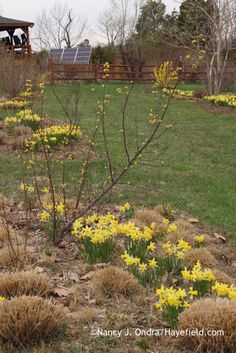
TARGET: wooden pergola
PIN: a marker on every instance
(20, 45)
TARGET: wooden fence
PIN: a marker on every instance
(136, 73)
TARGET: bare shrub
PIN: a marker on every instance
(210, 314)
(14, 72)
(27, 320)
(114, 281)
(23, 283)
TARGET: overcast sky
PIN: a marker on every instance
(90, 9)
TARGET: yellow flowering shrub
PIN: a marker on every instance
(49, 214)
(29, 93)
(106, 70)
(53, 136)
(166, 75)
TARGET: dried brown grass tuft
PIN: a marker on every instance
(201, 254)
(114, 281)
(210, 314)
(27, 320)
(23, 283)
(188, 237)
(22, 131)
(87, 315)
(11, 255)
(146, 217)
(221, 276)
(3, 233)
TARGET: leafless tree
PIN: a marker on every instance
(59, 28)
(118, 23)
(212, 46)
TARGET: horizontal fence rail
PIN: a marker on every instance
(136, 73)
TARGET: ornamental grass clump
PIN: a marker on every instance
(200, 278)
(53, 136)
(27, 320)
(23, 283)
(113, 282)
(216, 315)
(203, 255)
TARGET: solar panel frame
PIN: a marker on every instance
(80, 55)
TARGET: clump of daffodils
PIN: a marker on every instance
(178, 250)
(25, 187)
(25, 117)
(224, 290)
(179, 92)
(199, 240)
(13, 104)
(200, 278)
(56, 135)
(145, 271)
(96, 234)
(228, 100)
(171, 302)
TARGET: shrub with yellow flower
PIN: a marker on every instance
(166, 75)
(50, 214)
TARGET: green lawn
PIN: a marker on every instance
(202, 183)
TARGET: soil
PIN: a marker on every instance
(216, 109)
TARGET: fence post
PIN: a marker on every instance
(51, 68)
(96, 72)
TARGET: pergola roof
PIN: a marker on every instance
(7, 23)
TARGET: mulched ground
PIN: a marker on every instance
(216, 109)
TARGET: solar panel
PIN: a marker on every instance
(55, 54)
(83, 55)
(80, 55)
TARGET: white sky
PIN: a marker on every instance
(29, 10)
